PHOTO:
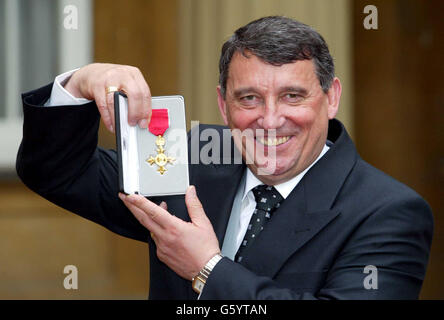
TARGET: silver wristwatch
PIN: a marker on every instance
(202, 277)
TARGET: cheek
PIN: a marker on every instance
(302, 118)
(241, 119)
(311, 114)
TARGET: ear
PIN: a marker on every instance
(334, 96)
(222, 105)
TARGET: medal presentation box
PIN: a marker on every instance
(153, 161)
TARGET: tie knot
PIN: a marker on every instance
(267, 197)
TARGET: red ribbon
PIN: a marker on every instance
(159, 121)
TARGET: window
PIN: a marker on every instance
(35, 47)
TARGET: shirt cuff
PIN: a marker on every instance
(60, 96)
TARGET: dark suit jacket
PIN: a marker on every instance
(344, 215)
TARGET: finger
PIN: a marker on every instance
(159, 215)
(194, 206)
(146, 97)
(110, 109)
(163, 205)
(124, 82)
(136, 97)
(144, 219)
(102, 105)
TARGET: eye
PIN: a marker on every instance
(249, 100)
(292, 97)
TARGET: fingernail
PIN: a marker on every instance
(130, 198)
(122, 196)
(143, 123)
(192, 190)
(111, 128)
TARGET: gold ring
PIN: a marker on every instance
(111, 89)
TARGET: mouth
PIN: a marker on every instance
(271, 142)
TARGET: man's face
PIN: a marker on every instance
(287, 100)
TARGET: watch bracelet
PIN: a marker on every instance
(209, 266)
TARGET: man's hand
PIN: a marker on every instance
(91, 81)
(185, 247)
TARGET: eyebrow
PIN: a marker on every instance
(241, 91)
(300, 90)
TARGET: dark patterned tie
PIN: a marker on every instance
(268, 200)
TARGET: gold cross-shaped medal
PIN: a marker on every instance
(161, 158)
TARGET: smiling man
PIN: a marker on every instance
(287, 100)
(306, 218)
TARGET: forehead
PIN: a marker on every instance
(252, 71)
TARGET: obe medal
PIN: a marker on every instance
(158, 125)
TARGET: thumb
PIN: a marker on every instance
(194, 206)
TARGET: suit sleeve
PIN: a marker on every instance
(395, 239)
(59, 159)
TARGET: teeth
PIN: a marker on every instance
(274, 142)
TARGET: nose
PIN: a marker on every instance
(272, 117)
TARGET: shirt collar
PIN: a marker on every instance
(284, 188)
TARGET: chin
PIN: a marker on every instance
(272, 170)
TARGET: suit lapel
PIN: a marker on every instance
(307, 210)
(216, 188)
(217, 195)
(216, 183)
(289, 229)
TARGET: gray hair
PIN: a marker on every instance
(279, 40)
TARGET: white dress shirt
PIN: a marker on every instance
(244, 205)
(61, 97)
